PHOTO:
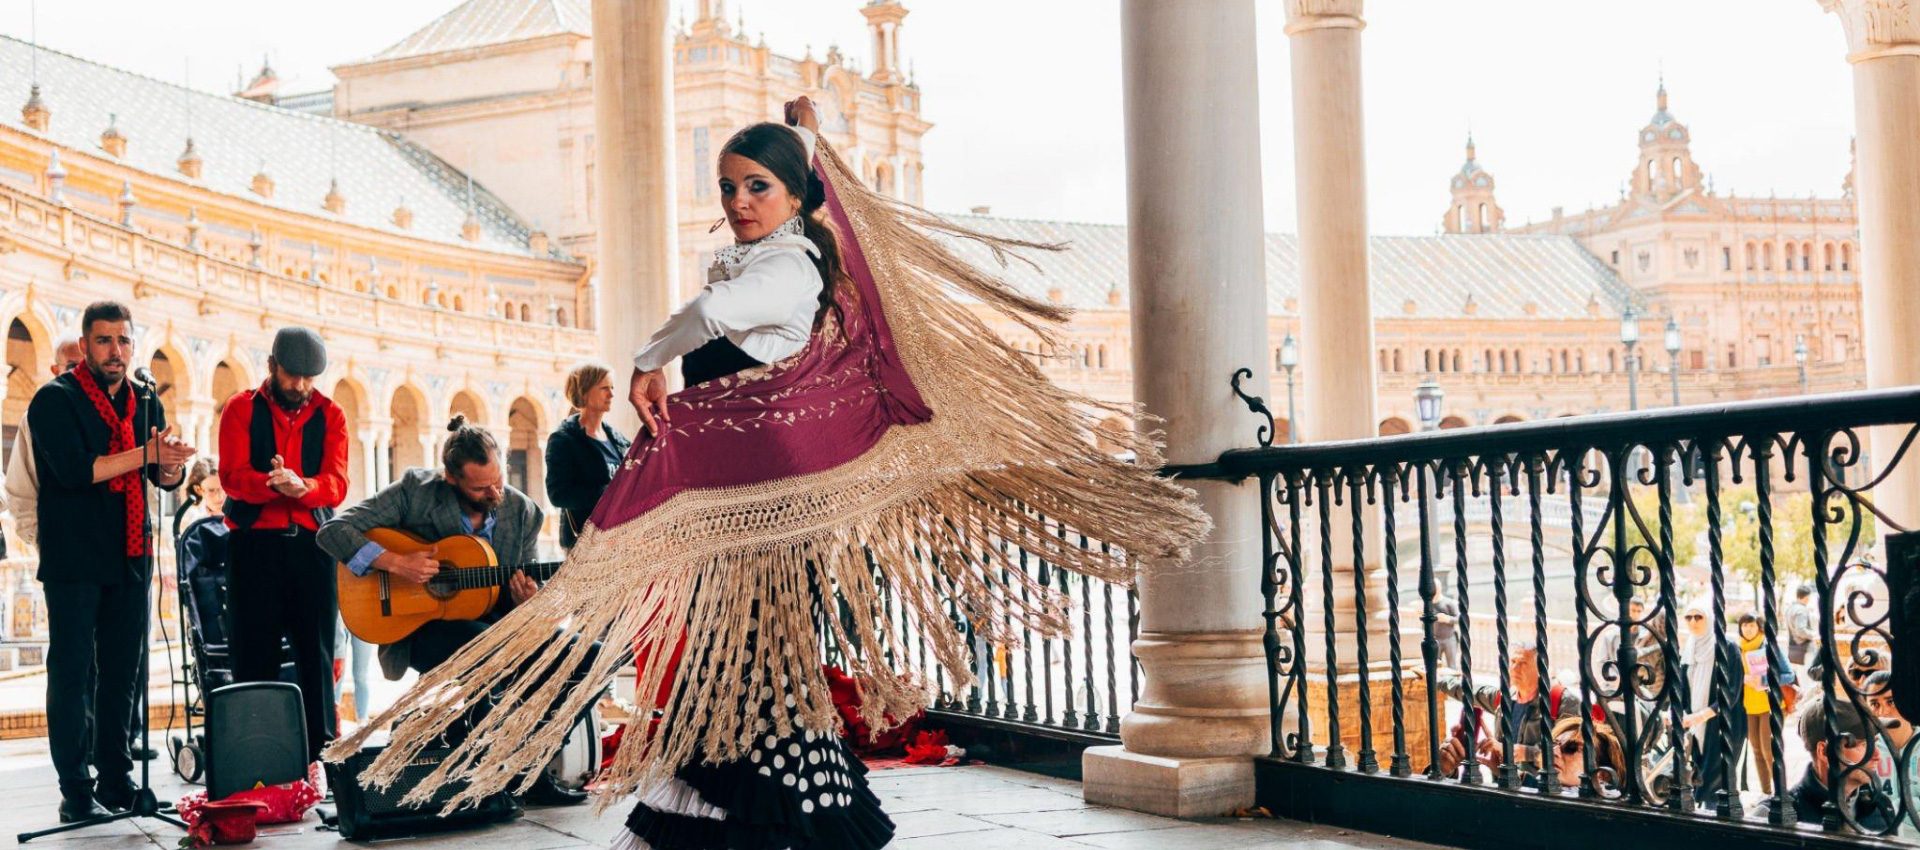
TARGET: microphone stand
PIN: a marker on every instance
(145, 804)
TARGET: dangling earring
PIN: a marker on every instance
(716, 224)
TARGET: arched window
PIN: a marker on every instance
(1460, 218)
(1503, 361)
(1566, 361)
(1384, 360)
(1103, 357)
(1826, 260)
(1786, 257)
(1676, 171)
(560, 318)
(1580, 362)
(1653, 173)
(1426, 359)
(1806, 256)
(1726, 259)
(1397, 367)
(1766, 256)
(526, 313)
(1486, 360)
(1518, 364)
(1456, 360)
(1749, 256)
(1613, 362)
(1846, 256)
(1483, 217)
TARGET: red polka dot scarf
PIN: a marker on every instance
(120, 430)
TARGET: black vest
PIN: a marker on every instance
(717, 359)
(261, 449)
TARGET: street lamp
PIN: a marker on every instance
(1673, 357)
(1630, 335)
(1289, 358)
(1426, 404)
(1800, 359)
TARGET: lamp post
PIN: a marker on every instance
(1289, 358)
(1800, 359)
(1629, 336)
(1426, 403)
(1673, 357)
(1426, 406)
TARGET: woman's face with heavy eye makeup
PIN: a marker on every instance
(755, 201)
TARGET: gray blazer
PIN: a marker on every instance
(422, 502)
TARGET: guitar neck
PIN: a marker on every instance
(467, 578)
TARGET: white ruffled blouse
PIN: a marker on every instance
(760, 295)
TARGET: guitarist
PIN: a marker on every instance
(467, 495)
(286, 470)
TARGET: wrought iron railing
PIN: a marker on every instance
(1080, 683)
(1716, 511)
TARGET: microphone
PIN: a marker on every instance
(144, 377)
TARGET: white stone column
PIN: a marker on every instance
(1883, 45)
(633, 128)
(369, 474)
(382, 460)
(1197, 272)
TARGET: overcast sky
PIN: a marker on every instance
(1025, 94)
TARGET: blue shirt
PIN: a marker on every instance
(363, 560)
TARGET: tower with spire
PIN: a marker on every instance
(1473, 209)
(883, 20)
(1665, 168)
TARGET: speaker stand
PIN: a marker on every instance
(145, 804)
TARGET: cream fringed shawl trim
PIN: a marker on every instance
(921, 518)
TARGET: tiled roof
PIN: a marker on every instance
(1501, 273)
(476, 23)
(303, 153)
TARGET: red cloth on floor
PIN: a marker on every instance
(846, 700)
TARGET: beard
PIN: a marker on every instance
(481, 506)
(290, 400)
(110, 371)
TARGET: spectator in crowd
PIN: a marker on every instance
(1870, 804)
(1491, 715)
(1714, 734)
(1803, 627)
(1609, 758)
(1757, 658)
(1446, 627)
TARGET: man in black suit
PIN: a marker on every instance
(93, 430)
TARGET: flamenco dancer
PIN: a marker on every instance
(852, 436)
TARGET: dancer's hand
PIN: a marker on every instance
(800, 112)
(648, 393)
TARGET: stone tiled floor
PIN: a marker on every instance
(971, 808)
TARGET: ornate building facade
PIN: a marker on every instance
(219, 220)
(434, 215)
(503, 89)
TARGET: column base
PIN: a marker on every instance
(1172, 787)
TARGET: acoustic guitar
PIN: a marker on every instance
(381, 608)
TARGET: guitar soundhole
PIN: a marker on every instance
(442, 586)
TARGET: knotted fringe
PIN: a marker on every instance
(921, 524)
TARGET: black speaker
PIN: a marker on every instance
(369, 813)
(256, 735)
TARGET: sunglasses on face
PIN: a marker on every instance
(1570, 746)
(1694, 618)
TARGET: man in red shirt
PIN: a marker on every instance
(285, 470)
